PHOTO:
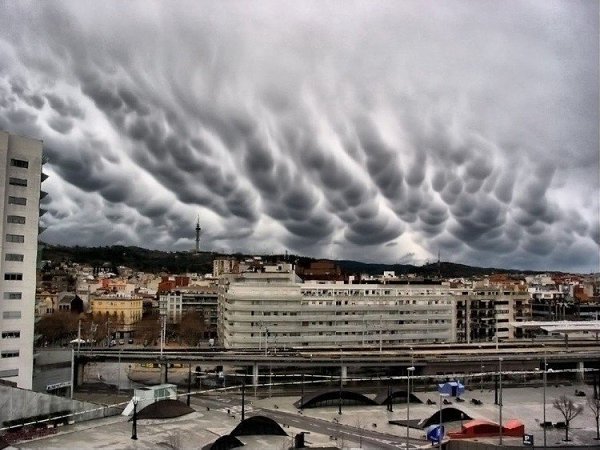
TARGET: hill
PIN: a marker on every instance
(155, 261)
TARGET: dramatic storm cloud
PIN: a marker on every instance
(371, 130)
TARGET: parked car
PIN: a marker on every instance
(130, 341)
(121, 341)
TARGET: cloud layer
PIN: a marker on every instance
(346, 129)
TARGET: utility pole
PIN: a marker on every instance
(243, 399)
(189, 382)
(380, 333)
(162, 334)
(78, 337)
(500, 402)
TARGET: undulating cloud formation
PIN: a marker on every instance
(373, 130)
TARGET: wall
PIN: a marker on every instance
(18, 403)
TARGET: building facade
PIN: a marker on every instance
(275, 310)
(123, 311)
(485, 314)
(200, 299)
(20, 191)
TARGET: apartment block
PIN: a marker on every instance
(276, 309)
(20, 192)
(200, 299)
(485, 314)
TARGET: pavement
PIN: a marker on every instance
(207, 424)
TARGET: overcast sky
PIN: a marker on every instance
(377, 131)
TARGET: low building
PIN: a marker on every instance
(123, 310)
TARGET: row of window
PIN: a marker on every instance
(9, 354)
(17, 181)
(17, 200)
(19, 163)
(11, 334)
(16, 219)
(11, 314)
(16, 238)
(13, 296)
(13, 276)
(14, 257)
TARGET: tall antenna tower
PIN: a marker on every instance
(198, 230)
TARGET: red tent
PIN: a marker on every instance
(483, 428)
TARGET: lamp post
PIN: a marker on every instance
(500, 399)
(380, 333)
(544, 381)
(243, 399)
(546, 371)
(266, 341)
(481, 376)
(409, 370)
(134, 426)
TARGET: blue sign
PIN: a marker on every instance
(452, 388)
(435, 433)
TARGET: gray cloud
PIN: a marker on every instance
(394, 129)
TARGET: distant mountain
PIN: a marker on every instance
(156, 261)
(433, 270)
(137, 258)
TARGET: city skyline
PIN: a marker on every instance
(373, 131)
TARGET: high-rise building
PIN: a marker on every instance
(20, 192)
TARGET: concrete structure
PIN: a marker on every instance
(125, 310)
(225, 265)
(16, 404)
(201, 299)
(483, 314)
(21, 177)
(274, 309)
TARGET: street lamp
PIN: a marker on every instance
(134, 426)
(546, 371)
(409, 370)
(500, 399)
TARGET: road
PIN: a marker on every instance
(368, 437)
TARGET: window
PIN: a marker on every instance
(11, 334)
(11, 315)
(9, 353)
(16, 219)
(9, 373)
(13, 276)
(17, 181)
(19, 163)
(19, 238)
(13, 257)
(17, 201)
(12, 296)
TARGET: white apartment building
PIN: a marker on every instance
(275, 309)
(21, 177)
(201, 299)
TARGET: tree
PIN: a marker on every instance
(57, 327)
(192, 327)
(568, 409)
(148, 329)
(594, 404)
